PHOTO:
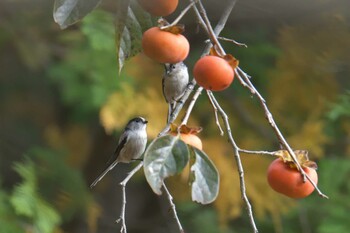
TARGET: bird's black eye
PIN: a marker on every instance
(172, 67)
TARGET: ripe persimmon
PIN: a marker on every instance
(287, 180)
(213, 73)
(164, 46)
(159, 7)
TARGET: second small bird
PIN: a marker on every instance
(175, 80)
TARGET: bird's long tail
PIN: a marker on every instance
(110, 167)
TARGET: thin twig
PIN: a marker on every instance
(183, 12)
(258, 152)
(173, 208)
(215, 112)
(212, 35)
(199, 18)
(225, 15)
(121, 218)
(191, 105)
(232, 41)
(238, 161)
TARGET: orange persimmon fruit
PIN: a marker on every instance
(213, 73)
(164, 46)
(287, 180)
(159, 7)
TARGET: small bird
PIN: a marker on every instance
(131, 145)
(175, 80)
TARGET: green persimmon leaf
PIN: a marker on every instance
(164, 157)
(205, 178)
(130, 23)
(68, 12)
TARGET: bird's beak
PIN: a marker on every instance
(167, 68)
(145, 121)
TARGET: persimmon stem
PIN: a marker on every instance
(181, 15)
(232, 41)
(216, 113)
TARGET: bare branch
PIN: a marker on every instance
(121, 218)
(222, 21)
(254, 152)
(183, 12)
(191, 105)
(215, 112)
(210, 31)
(238, 161)
(173, 207)
(269, 117)
(232, 41)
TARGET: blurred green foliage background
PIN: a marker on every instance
(62, 108)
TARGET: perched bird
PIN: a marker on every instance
(175, 80)
(131, 145)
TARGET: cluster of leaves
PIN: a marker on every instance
(49, 194)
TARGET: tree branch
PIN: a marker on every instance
(191, 105)
(216, 113)
(244, 79)
(238, 161)
(173, 207)
(121, 218)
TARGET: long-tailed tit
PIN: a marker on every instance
(131, 145)
(175, 80)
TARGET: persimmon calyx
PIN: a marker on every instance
(301, 156)
(231, 60)
(184, 129)
(175, 29)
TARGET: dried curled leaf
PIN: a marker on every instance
(301, 155)
(184, 129)
(176, 29)
(214, 52)
(232, 61)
